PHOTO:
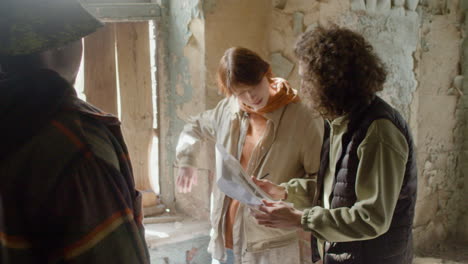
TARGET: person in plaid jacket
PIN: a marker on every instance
(67, 192)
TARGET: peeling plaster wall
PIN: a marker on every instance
(442, 197)
(391, 29)
(181, 83)
(197, 203)
(290, 18)
(394, 36)
(460, 82)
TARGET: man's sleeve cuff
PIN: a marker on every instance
(305, 219)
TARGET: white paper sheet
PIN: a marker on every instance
(234, 182)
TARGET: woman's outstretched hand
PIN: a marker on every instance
(278, 215)
(275, 191)
(186, 178)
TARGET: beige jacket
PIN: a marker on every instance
(290, 148)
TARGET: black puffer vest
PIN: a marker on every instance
(395, 246)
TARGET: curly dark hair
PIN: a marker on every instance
(340, 70)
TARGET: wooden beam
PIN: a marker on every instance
(114, 1)
(133, 53)
(100, 85)
(121, 12)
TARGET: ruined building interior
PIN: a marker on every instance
(160, 60)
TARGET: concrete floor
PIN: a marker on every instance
(180, 242)
(435, 261)
(192, 251)
(186, 241)
(447, 253)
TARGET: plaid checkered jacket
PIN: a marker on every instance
(67, 191)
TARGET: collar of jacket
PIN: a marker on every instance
(339, 120)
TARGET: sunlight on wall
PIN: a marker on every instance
(154, 165)
(79, 82)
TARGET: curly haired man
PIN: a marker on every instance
(364, 203)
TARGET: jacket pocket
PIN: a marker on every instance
(269, 243)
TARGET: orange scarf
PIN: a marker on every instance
(283, 96)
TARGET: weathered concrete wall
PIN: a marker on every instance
(289, 19)
(461, 130)
(441, 204)
(180, 55)
(181, 87)
(392, 30)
